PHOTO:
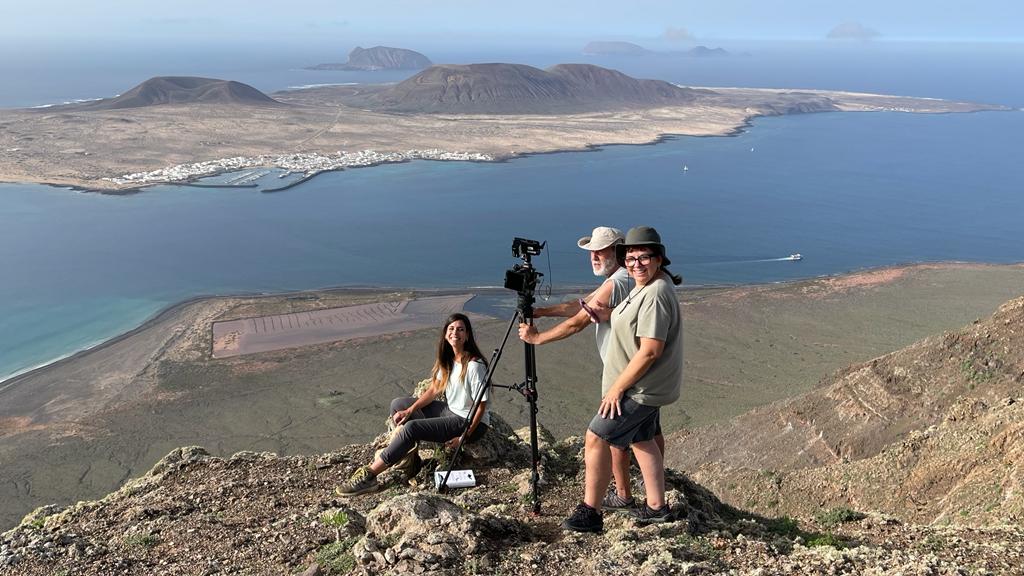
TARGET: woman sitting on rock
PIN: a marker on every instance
(459, 372)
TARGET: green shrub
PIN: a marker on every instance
(837, 516)
(142, 540)
(699, 548)
(827, 539)
(784, 526)
(335, 518)
(337, 557)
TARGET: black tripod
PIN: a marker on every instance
(523, 279)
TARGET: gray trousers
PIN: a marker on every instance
(432, 423)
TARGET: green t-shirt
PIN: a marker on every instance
(651, 311)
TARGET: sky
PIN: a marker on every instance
(455, 21)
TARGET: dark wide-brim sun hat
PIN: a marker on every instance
(641, 236)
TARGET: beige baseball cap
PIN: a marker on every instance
(601, 238)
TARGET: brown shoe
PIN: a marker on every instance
(362, 481)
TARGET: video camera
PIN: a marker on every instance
(522, 277)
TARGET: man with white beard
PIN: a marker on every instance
(595, 308)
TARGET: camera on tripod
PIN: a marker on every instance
(522, 277)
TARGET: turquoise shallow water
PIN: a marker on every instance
(847, 191)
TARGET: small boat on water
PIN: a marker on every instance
(686, 168)
(796, 256)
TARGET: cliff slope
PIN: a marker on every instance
(933, 433)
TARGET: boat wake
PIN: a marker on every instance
(790, 258)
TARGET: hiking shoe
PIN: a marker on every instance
(584, 519)
(362, 481)
(647, 515)
(612, 501)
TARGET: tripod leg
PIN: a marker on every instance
(531, 392)
(495, 357)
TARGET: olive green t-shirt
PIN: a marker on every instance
(652, 311)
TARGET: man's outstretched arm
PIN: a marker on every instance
(574, 324)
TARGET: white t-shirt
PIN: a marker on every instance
(620, 289)
(460, 393)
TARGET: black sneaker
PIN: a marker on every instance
(584, 519)
(647, 515)
(612, 501)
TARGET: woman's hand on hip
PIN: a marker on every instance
(611, 405)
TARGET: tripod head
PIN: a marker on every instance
(523, 278)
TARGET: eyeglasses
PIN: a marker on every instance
(643, 260)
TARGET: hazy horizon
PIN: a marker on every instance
(658, 23)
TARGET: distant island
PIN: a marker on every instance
(521, 89)
(182, 90)
(379, 58)
(605, 48)
(704, 51)
(616, 48)
(179, 129)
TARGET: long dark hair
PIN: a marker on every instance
(444, 361)
(676, 278)
(659, 251)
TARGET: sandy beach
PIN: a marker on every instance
(77, 429)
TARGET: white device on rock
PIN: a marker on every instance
(458, 479)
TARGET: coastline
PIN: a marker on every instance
(84, 186)
(171, 309)
(89, 164)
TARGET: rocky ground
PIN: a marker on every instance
(908, 463)
(257, 513)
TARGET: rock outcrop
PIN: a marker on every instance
(262, 514)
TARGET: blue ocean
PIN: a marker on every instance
(846, 190)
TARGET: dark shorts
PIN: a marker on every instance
(637, 423)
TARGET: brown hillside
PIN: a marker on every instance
(183, 90)
(933, 432)
(500, 88)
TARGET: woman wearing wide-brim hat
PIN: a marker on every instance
(643, 371)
